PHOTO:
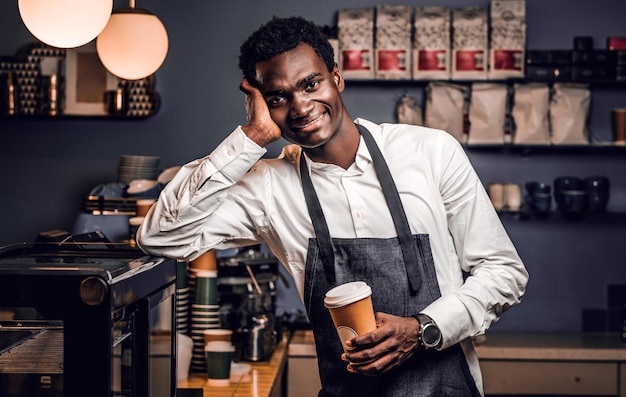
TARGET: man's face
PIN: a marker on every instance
(302, 95)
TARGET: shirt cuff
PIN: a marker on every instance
(236, 146)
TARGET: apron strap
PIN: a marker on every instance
(324, 242)
(412, 260)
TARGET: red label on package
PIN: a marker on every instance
(431, 60)
(390, 60)
(508, 60)
(470, 60)
(616, 43)
(356, 59)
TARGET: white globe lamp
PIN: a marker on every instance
(65, 23)
(134, 43)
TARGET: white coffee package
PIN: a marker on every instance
(530, 114)
(469, 43)
(508, 39)
(487, 112)
(393, 42)
(356, 42)
(445, 108)
(408, 111)
(569, 110)
(431, 43)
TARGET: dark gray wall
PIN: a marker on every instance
(47, 167)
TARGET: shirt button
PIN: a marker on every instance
(358, 214)
(230, 152)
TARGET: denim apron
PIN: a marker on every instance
(402, 275)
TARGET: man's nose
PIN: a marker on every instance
(301, 105)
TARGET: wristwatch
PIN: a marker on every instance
(429, 334)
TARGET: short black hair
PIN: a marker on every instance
(280, 35)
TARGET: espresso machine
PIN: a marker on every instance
(86, 319)
(247, 298)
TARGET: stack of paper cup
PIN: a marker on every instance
(182, 298)
(204, 314)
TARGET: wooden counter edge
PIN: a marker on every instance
(262, 381)
(518, 346)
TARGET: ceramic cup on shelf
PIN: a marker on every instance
(574, 203)
(512, 196)
(618, 122)
(496, 194)
(598, 192)
(566, 183)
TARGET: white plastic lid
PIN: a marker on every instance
(345, 294)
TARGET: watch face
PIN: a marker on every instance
(431, 335)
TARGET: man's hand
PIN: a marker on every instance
(391, 344)
(260, 128)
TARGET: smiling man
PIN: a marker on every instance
(397, 206)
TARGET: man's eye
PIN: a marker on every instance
(312, 85)
(277, 100)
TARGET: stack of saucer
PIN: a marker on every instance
(182, 298)
(130, 168)
(204, 313)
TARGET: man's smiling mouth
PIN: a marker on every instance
(311, 124)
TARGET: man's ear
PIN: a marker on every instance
(338, 78)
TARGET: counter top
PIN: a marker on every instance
(518, 346)
(555, 346)
(262, 381)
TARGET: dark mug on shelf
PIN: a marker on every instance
(539, 197)
(598, 192)
(542, 204)
(563, 184)
(574, 203)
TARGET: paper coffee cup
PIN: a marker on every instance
(218, 360)
(143, 206)
(351, 309)
(206, 261)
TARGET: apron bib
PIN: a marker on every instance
(402, 275)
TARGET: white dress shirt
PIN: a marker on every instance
(232, 197)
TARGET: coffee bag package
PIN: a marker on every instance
(569, 110)
(508, 39)
(530, 114)
(446, 108)
(487, 113)
(469, 43)
(356, 42)
(408, 111)
(431, 43)
(393, 42)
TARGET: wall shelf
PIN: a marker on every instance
(68, 117)
(529, 149)
(556, 216)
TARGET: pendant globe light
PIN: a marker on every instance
(65, 23)
(134, 43)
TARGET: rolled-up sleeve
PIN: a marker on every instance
(190, 201)
(497, 276)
